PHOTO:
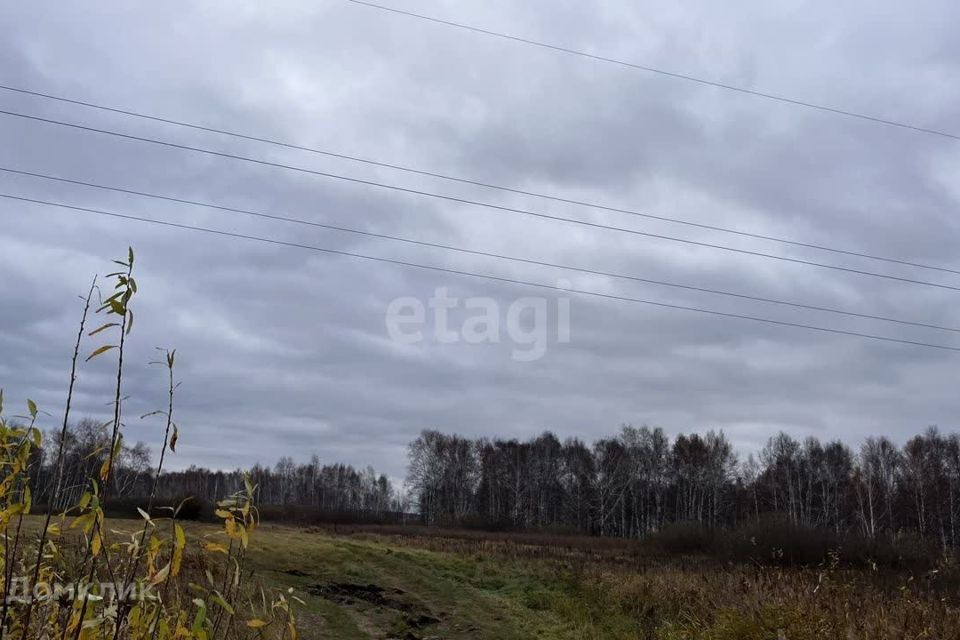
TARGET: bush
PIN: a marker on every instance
(310, 515)
(88, 555)
(190, 508)
(684, 538)
(776, 541)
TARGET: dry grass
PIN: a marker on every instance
(630, 592)
(503, 586)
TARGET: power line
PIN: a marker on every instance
(671, 74)
(477, 203)
(477, 183)
(476, 252)
(471, 274)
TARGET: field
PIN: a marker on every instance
(414, 583)
(410, 583)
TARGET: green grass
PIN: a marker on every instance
(472, 596)
(490, 586)
(461, 595)
(415, 584)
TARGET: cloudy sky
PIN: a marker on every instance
(286, 351)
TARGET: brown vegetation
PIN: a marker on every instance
(632, 589)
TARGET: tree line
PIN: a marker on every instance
(639, 481)
(629, 485)
(330, 488)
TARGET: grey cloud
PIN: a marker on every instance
(285, 351)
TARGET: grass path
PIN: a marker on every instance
(368, 589)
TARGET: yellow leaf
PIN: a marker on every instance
(256, 623)
(85, 521)
(161, 576)
(215, 547)
(180, 541)
(104, 327)
(102, 349)
(96, 544)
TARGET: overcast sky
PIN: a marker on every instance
(285, 351)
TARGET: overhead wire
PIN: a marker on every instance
(670, 74)
(488, 205)
(596, 294)
(475, 182)
(464, 250)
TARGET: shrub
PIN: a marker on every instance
(310, 515)
(683, 538)
(187, 508)
(776, 541)
(148, 560)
